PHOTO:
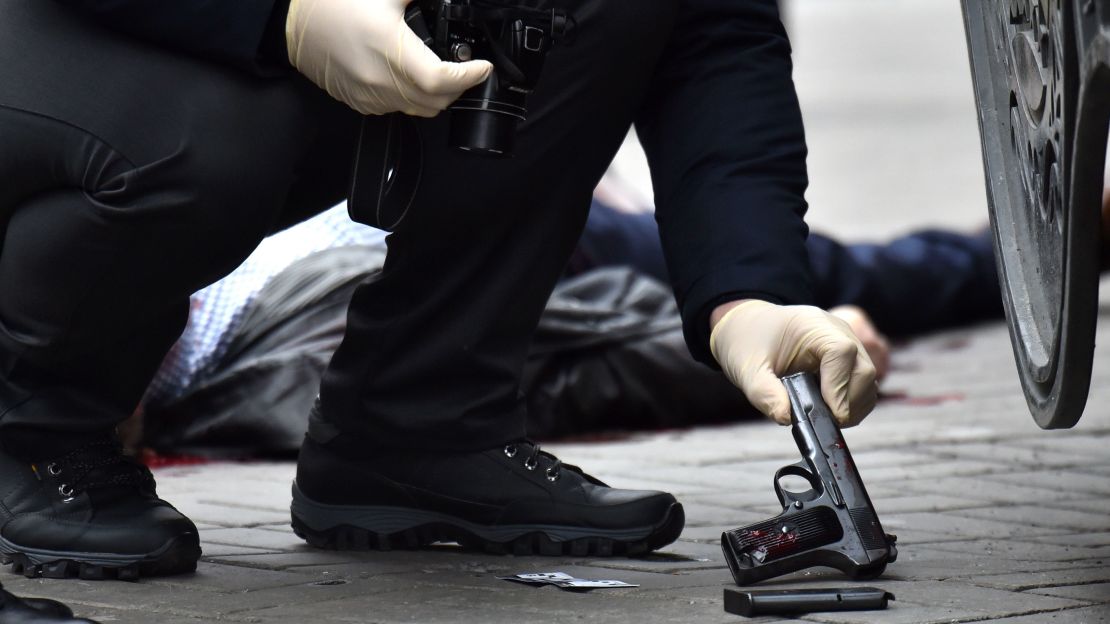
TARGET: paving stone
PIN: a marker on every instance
(218, 476)
(1074, 575)
(912, 503)
(744, 475)
(1008, 455)
(282, 540)
(761, 502)
(989, 490)
(867, 460)
(1085, 539)
(253, 495)
(445, 557)
(1093, 446)
(278, 527)
(1087, 615)
(675, 558)
(1094, 592)
(933, 563)
(1051, 517)
(212, 552)
(434, 566)
(108, 615)
(228, 516)
(651, 582)
(741, 442)
(500, 601)
(699, 513)
(959, 526)
(1027, 549)
(898, 612)
(187, 599)
(226, 578)
(1072, 481)
(1094, 468)
(931, 471)
(914, 537)
(967, 598)
(1099, 505)
(710, 534)
(287, 560)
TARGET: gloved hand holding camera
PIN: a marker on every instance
(756, 342)
(364, 54)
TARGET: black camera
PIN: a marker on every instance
(514, 38)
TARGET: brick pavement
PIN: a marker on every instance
(997, 521)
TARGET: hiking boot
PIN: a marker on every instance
(511, 499)
(16, 610)
(90, 513)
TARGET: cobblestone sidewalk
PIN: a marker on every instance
(996, 519)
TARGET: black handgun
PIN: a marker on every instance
(832, 524)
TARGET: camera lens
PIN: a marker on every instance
(483, 132)
(484, 119)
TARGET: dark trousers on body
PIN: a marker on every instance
(923, 281)
(131, 176)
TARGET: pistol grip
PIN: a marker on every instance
(778, 546)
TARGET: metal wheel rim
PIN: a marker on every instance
(1027, 81)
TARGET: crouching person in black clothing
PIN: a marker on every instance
(148, 147)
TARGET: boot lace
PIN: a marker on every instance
(533, 460)
(98, 465)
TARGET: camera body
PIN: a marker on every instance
(514, 38)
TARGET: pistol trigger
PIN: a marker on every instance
(781, 493)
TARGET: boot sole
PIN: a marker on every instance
(359, 527)
(178, 556)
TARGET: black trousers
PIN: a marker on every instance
(130, 176)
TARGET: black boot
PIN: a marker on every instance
(510, 499)
(91, 513)
(15, 610)
(53, 608)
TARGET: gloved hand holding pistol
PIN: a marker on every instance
(364, 54)
(756, 342)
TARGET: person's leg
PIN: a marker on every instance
(433, 353)
(613, 237)
(131, 178)
(420, 405)
(920, 282)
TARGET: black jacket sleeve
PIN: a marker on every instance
(723, 133)
(245, 33)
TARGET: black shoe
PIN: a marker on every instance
(16, 610)
(91, 513)
(53, 608)
(512, 499)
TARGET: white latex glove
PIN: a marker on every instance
(757, 342)
(363, 54)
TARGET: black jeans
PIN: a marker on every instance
(132, 176)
